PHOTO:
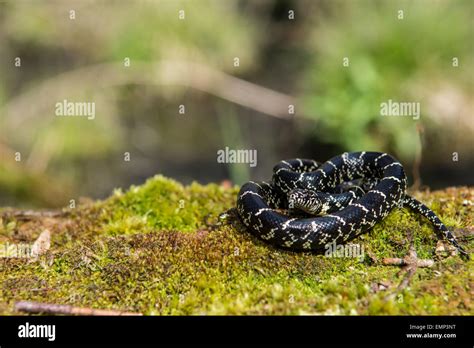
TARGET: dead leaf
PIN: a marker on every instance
(42, 244)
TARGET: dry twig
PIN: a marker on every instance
(38, 307)
(32, 214)
(409, 263)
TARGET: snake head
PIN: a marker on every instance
(305, 200)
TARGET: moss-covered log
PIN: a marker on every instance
(157, 249)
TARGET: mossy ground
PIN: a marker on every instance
(156, 249)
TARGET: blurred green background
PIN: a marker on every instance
(190, 61)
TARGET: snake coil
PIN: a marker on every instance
(332, 202)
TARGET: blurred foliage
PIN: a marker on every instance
(50, 43)
(142, 30)
(403, 60)
(388, 58)
(145, 30)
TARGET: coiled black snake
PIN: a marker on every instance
(332, 202)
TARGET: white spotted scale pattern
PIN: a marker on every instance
(259, 204)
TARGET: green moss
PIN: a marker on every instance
(157, 249)
(162, 203)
